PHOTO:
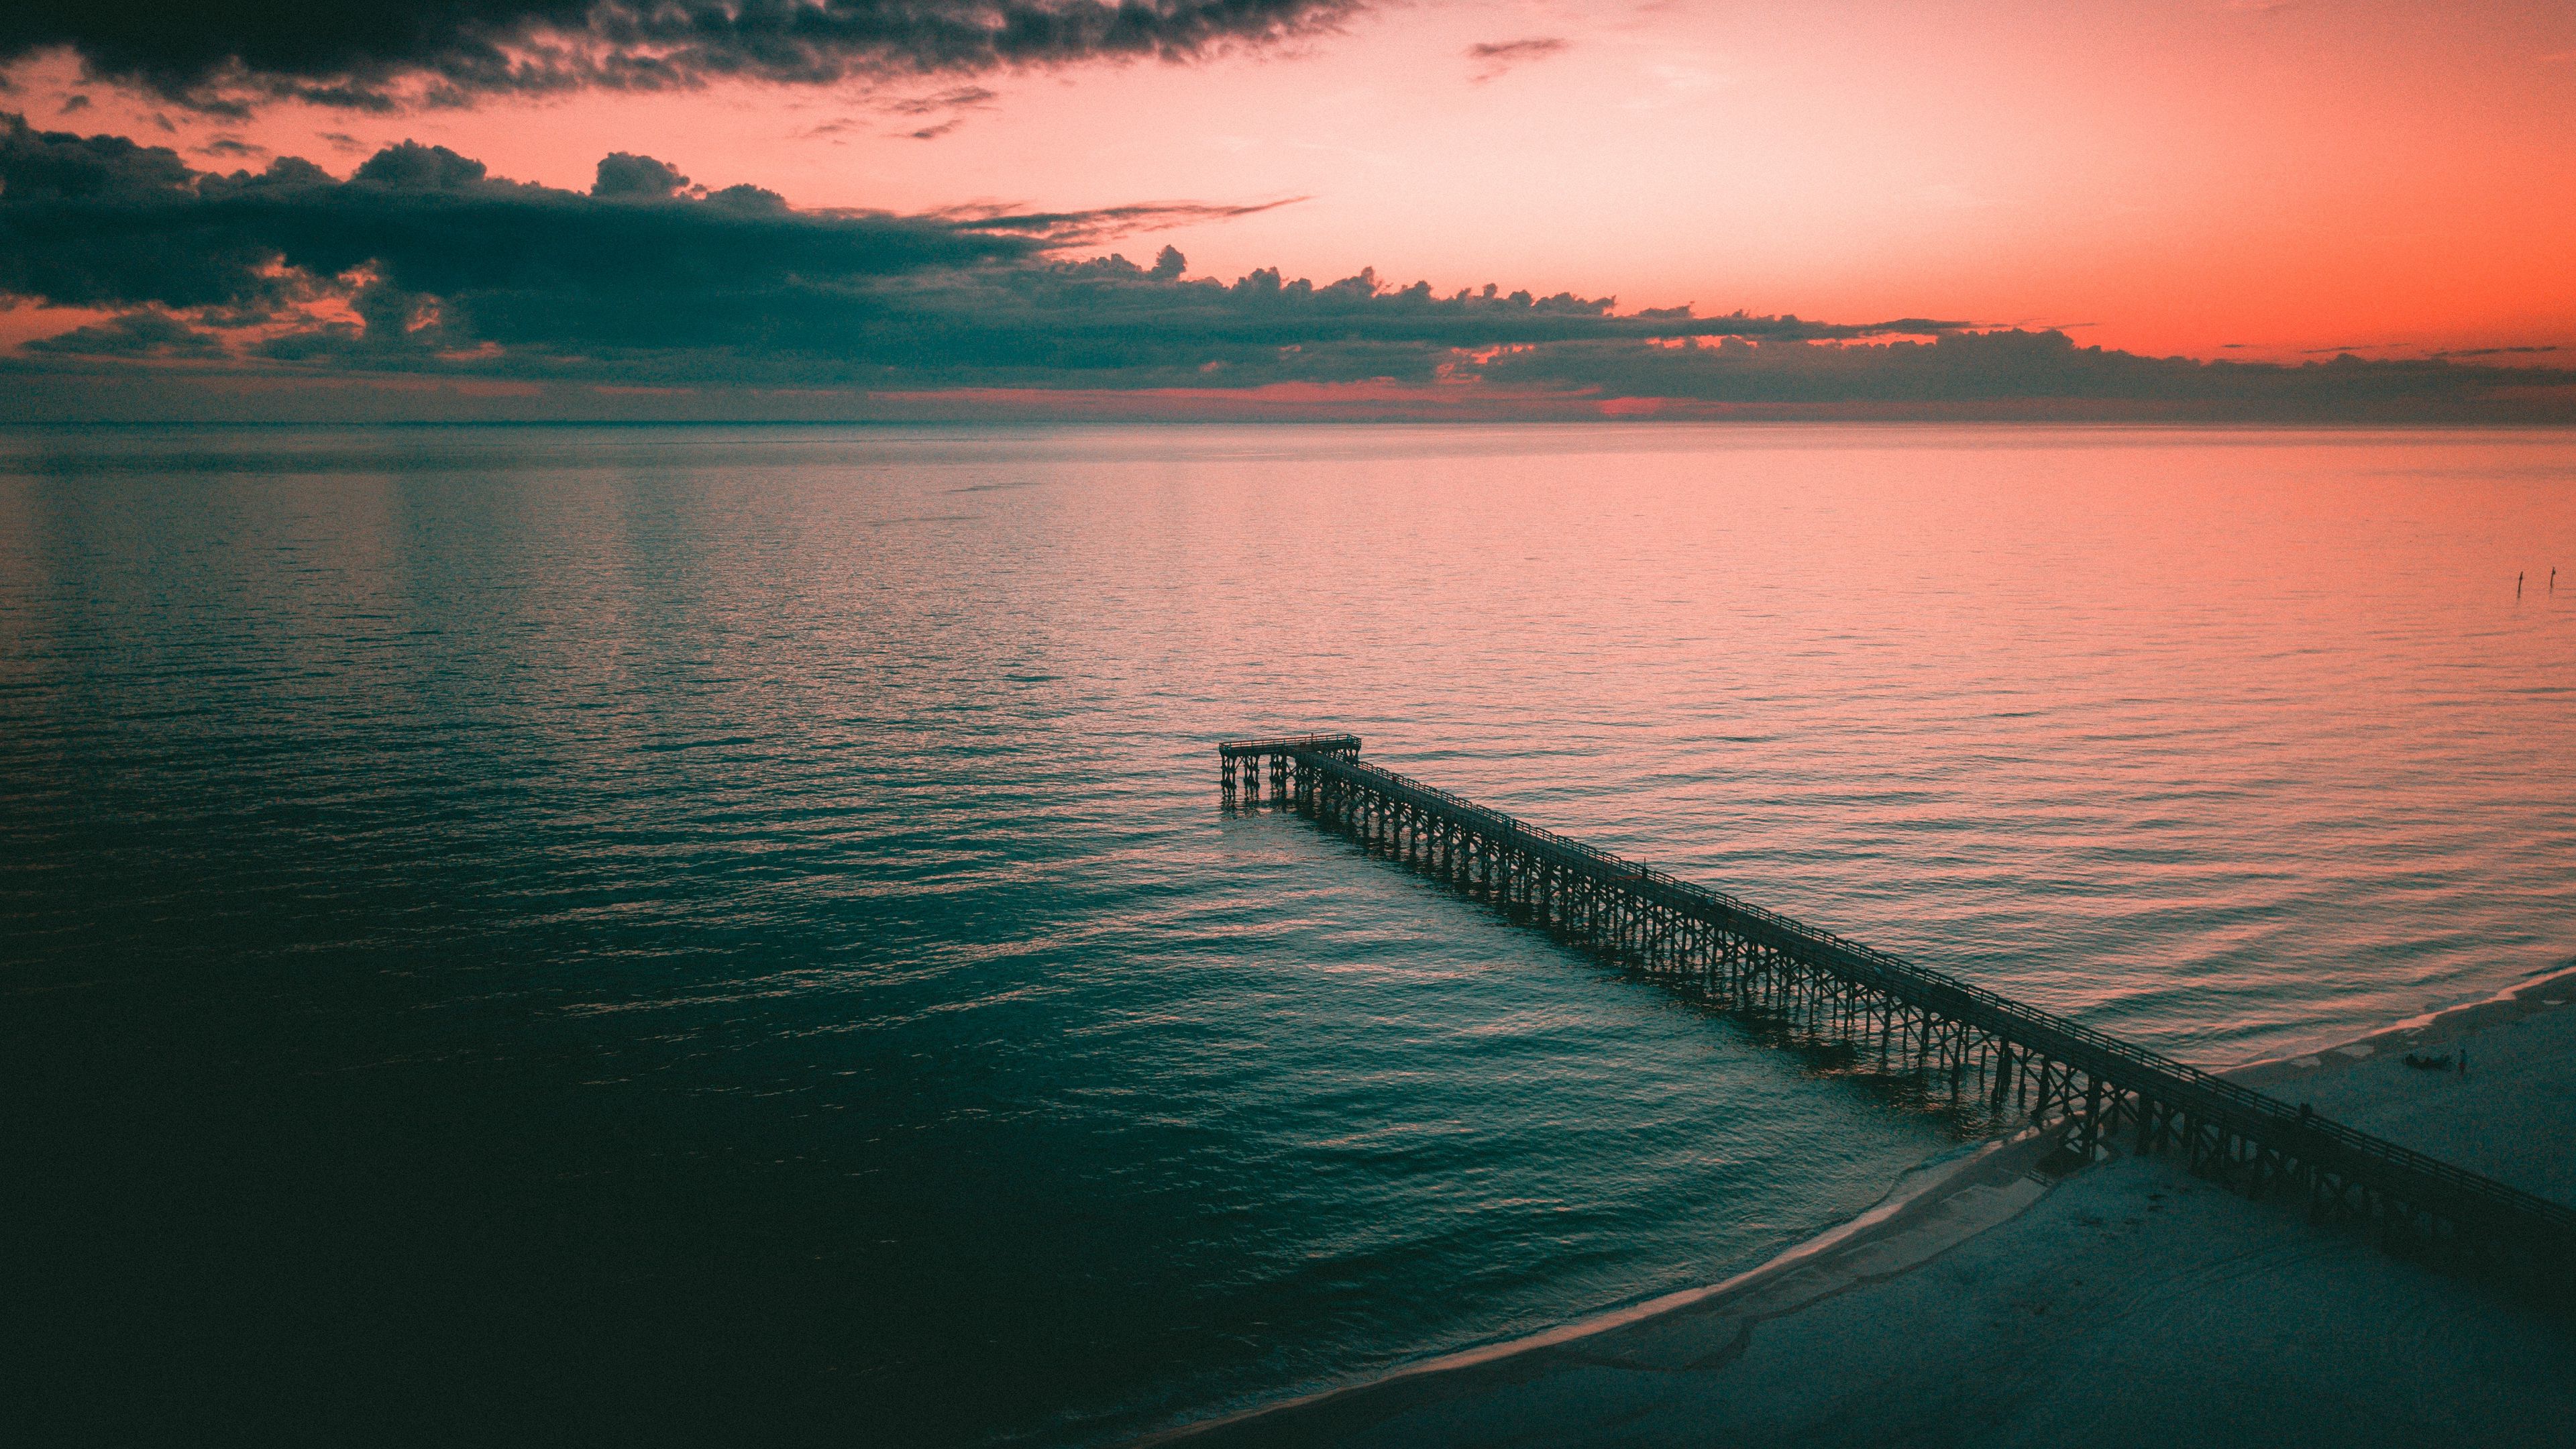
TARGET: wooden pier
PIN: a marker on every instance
(2015, 1058)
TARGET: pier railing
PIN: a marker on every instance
(1342, 745)
(1715, 941)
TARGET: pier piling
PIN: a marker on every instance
(2050, 1069)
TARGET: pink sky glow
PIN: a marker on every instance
(2165, 177)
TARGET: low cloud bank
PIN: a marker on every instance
(2037, 374)
(422, 269)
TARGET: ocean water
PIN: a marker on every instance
(730, 935)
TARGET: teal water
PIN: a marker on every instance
(729, 935)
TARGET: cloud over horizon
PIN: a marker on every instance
(1488, 60)
(228, 55)
(421, 264)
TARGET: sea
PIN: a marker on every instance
(732, 935)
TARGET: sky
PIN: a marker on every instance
(1980, 204)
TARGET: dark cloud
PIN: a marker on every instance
(960, 99)
(637, 177)
(226, 55)
(147, 333)
(99, 221)
(2036, 374)
(1491, 58)
(1067, 228)
(951, 106)
(423, 265)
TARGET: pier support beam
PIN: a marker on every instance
(1822, 991)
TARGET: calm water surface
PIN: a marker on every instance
(694, 934)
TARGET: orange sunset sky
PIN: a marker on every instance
(2246, 179)
(2165, 175)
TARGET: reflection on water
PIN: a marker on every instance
(676, 933)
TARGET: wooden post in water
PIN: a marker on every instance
(1834, 992)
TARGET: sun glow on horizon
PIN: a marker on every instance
(2217, 182)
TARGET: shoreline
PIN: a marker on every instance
(2552, 986)
(1937, 1207)
(1934, 1206)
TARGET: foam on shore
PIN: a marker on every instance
(1684, 1342)
(2555, 986)
(1932, 1209)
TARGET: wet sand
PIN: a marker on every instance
(1986, 1303)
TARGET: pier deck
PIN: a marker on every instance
(2022, 1059)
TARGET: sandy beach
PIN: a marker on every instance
(1987, 1302)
